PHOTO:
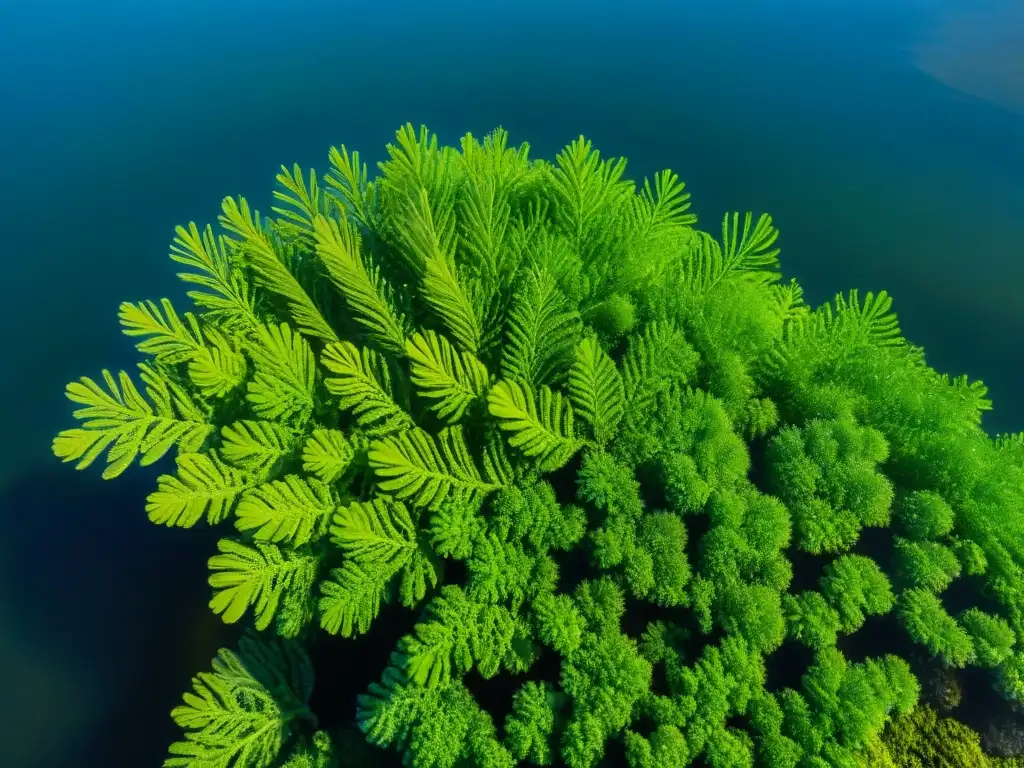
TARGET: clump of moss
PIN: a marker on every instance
(925, 739)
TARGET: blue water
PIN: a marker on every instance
(886, 138)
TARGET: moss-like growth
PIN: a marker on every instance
(563, 454)
(924, 739)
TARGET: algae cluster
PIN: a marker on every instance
(587, 472)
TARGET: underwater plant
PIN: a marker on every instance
(924, 739)
(581, 466)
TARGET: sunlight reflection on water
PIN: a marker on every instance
(979, 51)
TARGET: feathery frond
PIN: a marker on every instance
(494, 161)
(227, 297)
(256, 446)
(457, 633)
(498, 469)
(167, 339)
(484, 214)
(542, 332)
(304, 202)
(380, 541)
(270, 270)
(217, 368)
(349, 181)
(585, 185)
(294, 510)
(667, 205)
(595, 389)
(388, 713)
(123, 423)
(242, 713)
(426, 470)
(415, 161)
(657, 360)
(748, 254)
(379, 529)
(351, 598)
(257, 576)
(282, 388)
(365, 292)
(542, 430)
(433, 239)
(327, 454)
(789, 300)
(203, 487)
(442, 374)
(363, 385)
(750, 250)
(873, 320)
(442, 648)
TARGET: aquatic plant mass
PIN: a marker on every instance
(515, 465)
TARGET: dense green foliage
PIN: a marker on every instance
(573, 447)
(924, 739)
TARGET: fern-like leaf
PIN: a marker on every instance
(123, 423)
(365, 292)
(484, 216)
(542, 334)
(256, 446)
(498, 469)
(363, 385)
(271, 272)
(293, 510)
(442, 645)
(217, 368)
(443, 375)
(584, 186)
(164, 335)
(242, 713)
(788, 301)
(351, 599)
(203, 486)
(748, 254)
(542, 430)
(415, 162)
(378, 530)
(873, 319)
(441, 288)
(415, 466)
(303, 202)
(379, 539)
(750, 250)
(256, 576)
(327, 454)
(350, 183)
(659, 359)
(706, 267)
(285, 375)
(457, 633)
(595, 389)
(389, 712)
(227, 297)
(494, 161)
(668, 204)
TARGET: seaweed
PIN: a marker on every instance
(579, 474)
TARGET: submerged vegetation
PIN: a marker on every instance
(592, 485)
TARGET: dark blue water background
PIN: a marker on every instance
(886, 138)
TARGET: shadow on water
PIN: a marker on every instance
(104, 616)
